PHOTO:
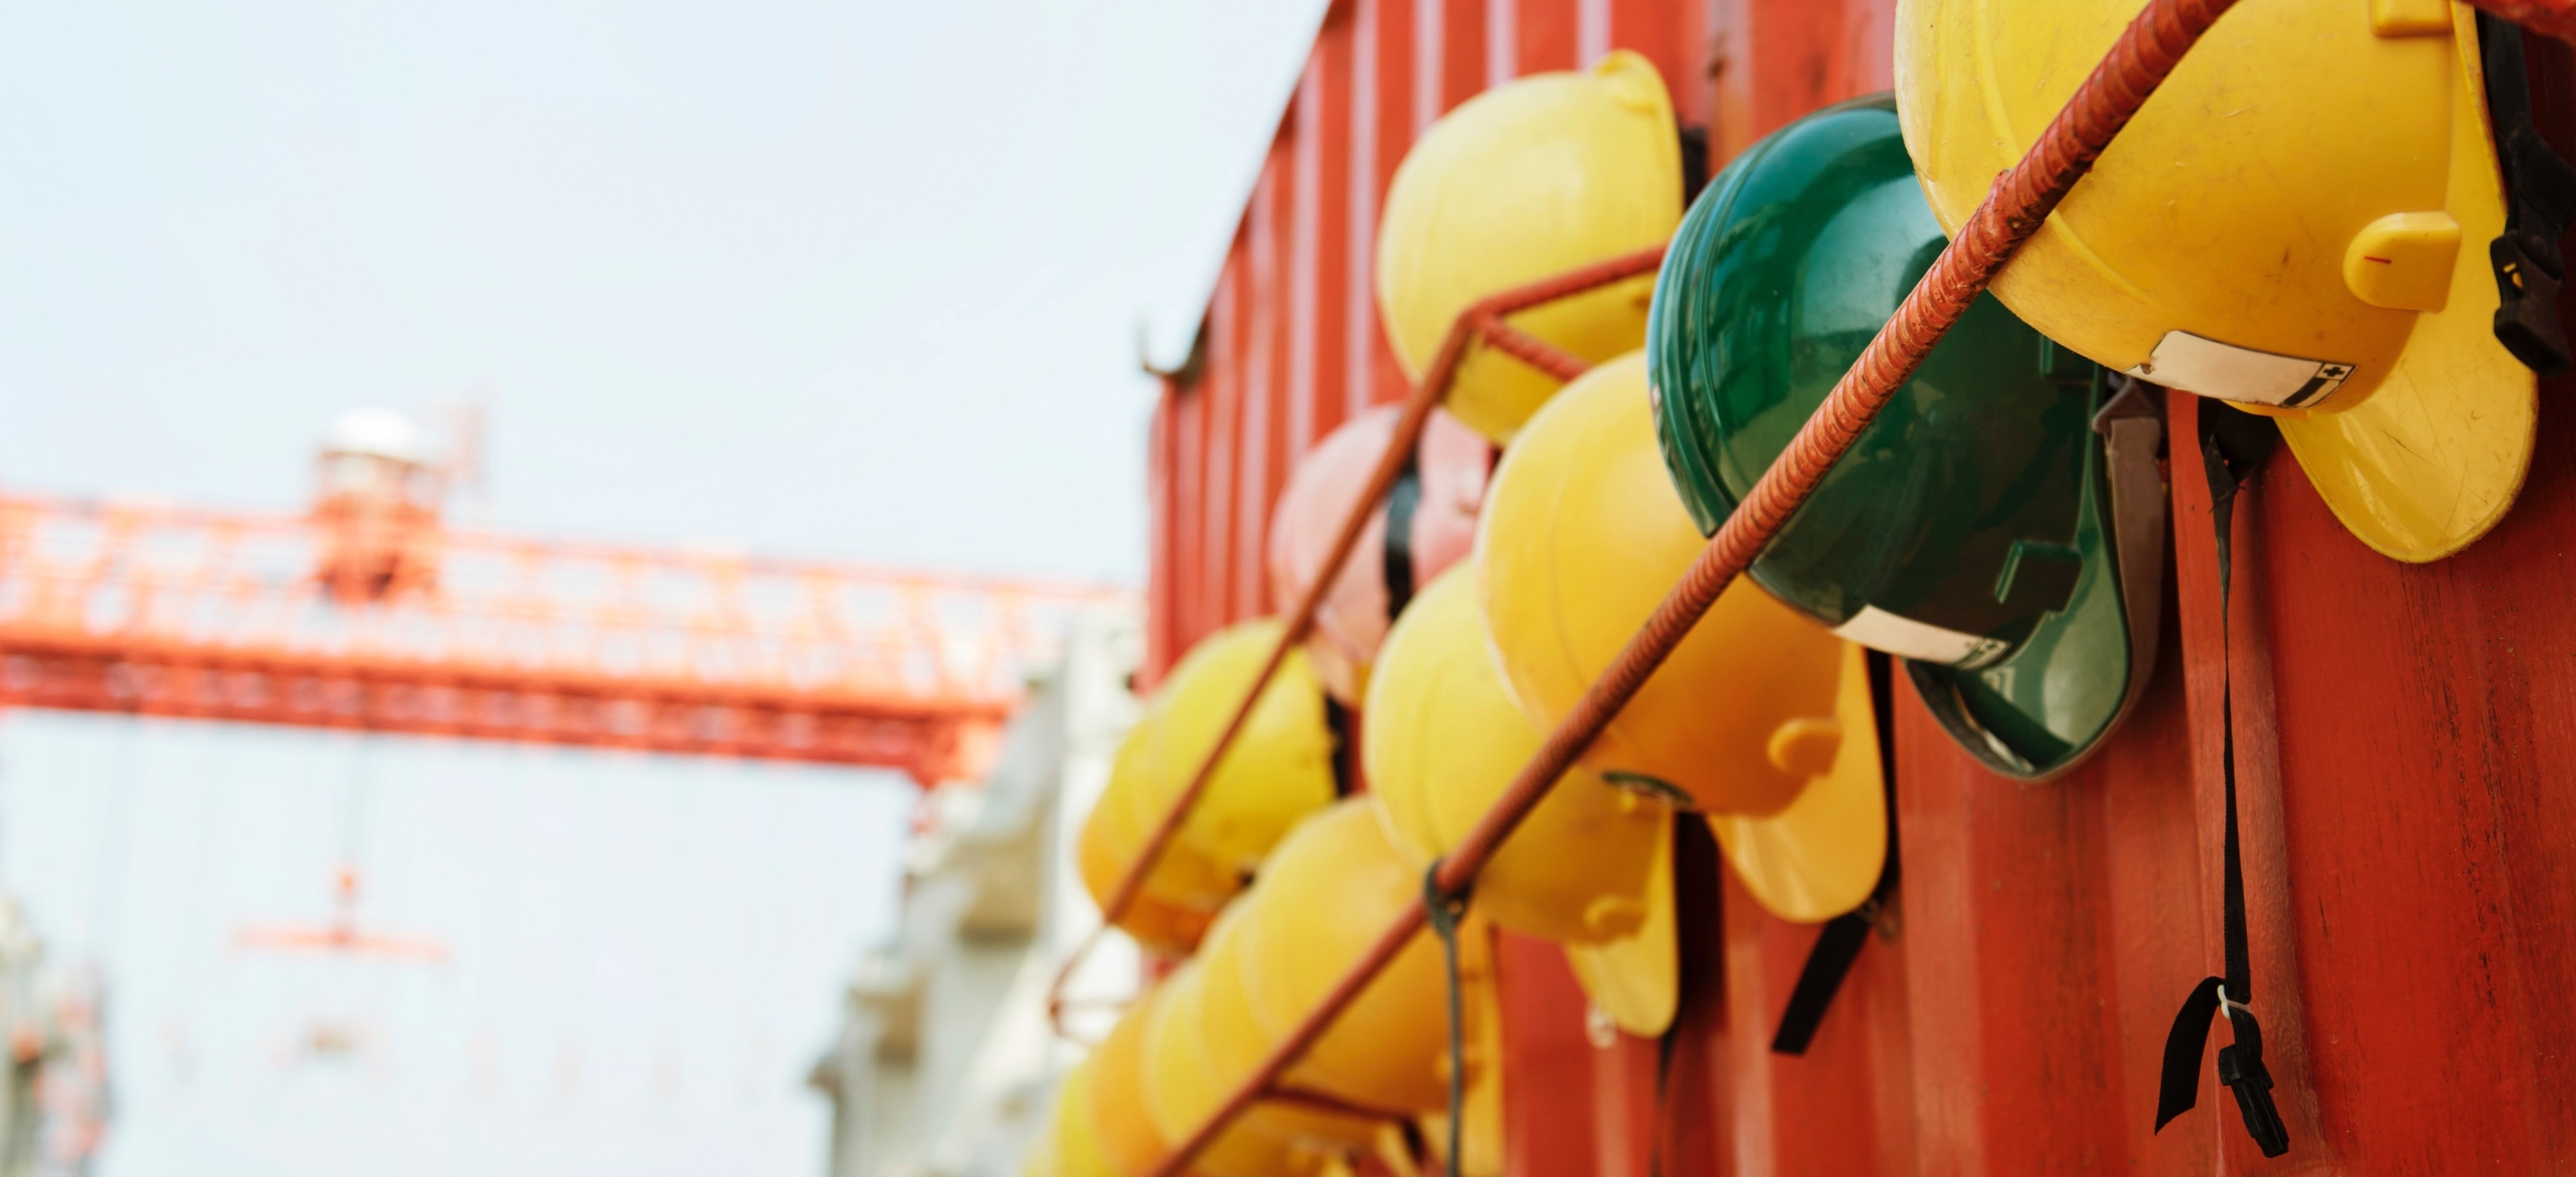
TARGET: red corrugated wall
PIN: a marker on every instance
(2406, 736)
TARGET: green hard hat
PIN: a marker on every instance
(1999, 525)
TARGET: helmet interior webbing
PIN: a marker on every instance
(2131, 425)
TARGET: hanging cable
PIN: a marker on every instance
(1446, 909)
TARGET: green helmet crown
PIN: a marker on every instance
(1967, 528)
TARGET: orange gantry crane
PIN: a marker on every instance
(369, 612)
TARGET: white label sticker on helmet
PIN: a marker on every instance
(2223, 370)
(1905, 637)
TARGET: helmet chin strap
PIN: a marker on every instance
(2540, 201)
(1395, 560)
(1838, 945)
(2132, 427)
(2232, 446)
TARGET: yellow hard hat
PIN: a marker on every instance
(1583, 535)
(1636, 979)
(1821, 856)
(1072, 1144)
(1322, 900)
(1235, 1045)
(1159, 924)
(1445, 739)
(2298, 222)
(1279, 768)
(1528, 180)
(1182, 1090)
(1184, 889)
(1126, 1132)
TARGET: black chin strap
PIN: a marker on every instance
(2232, 446)
(1403, 500)
(1346, 771)
(2540, 201)
(1839, 945)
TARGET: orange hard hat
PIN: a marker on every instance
(1435, 502)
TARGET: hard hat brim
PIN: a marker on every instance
(1636, 979)
(2435, 457)
(1821, 856)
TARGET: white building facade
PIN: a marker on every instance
(945, 1065)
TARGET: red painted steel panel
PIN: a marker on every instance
(2400, 730)
(1188, 504)
(1275, 445)
(1802, 54)
(2048, 937)
(1381, 125)
(1729, 68)
(1548, 1060)
(1502, 41)
(1219, 453)
(1544, 34)
(1854, 1076)
(1620, 1107)
(1771, 61)
(1461, 39)
(1403, 102)
(2410, 840)
(1160, 551)
(1671, 33)
(1261, 411)
(1305, 227)
(1319, 398)
(2408, 825)
(1688, 1131)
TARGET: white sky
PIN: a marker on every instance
(860, 280)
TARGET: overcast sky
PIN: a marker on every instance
(859, 280)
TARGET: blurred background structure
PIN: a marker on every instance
(368, 615)
(945, 1059)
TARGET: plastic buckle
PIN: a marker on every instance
(1875, 912)
(2529, 275)
(2241, 1068)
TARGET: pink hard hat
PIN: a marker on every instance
(1435, 502)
